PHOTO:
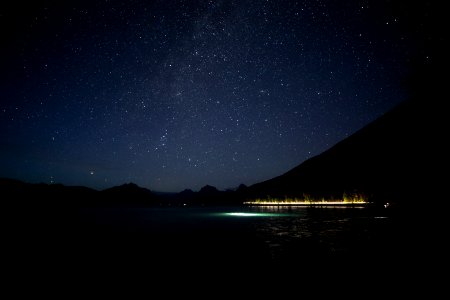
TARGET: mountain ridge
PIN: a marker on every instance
(383, 160)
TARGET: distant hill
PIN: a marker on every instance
(388, 160)
(16, 192)
(20, 193)
(129, 194)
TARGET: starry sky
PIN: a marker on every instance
(179, 94)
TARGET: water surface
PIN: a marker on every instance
(252, 234)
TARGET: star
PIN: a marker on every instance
(165, 95)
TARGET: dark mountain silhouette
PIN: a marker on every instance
(387, 160)
(20, 193)
(241, 188)
(210, 195)
(209, 190)
(187, 193)
(130, 194)
(60, 195)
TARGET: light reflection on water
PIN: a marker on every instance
(265, 211)
(261, 211)
(288, 230)
(283, 232)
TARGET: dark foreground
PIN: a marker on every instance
(196, 244)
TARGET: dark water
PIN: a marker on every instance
(224, 246)
(230, 236)
(236, 244)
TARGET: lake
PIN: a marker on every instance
(272, 236)
(212, 241)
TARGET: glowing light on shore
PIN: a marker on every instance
(306, 200)
(306, 203)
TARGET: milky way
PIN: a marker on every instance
(180, 94)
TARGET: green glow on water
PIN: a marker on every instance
(242, 214)
(251, 214)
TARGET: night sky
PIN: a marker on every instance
(179, 94)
